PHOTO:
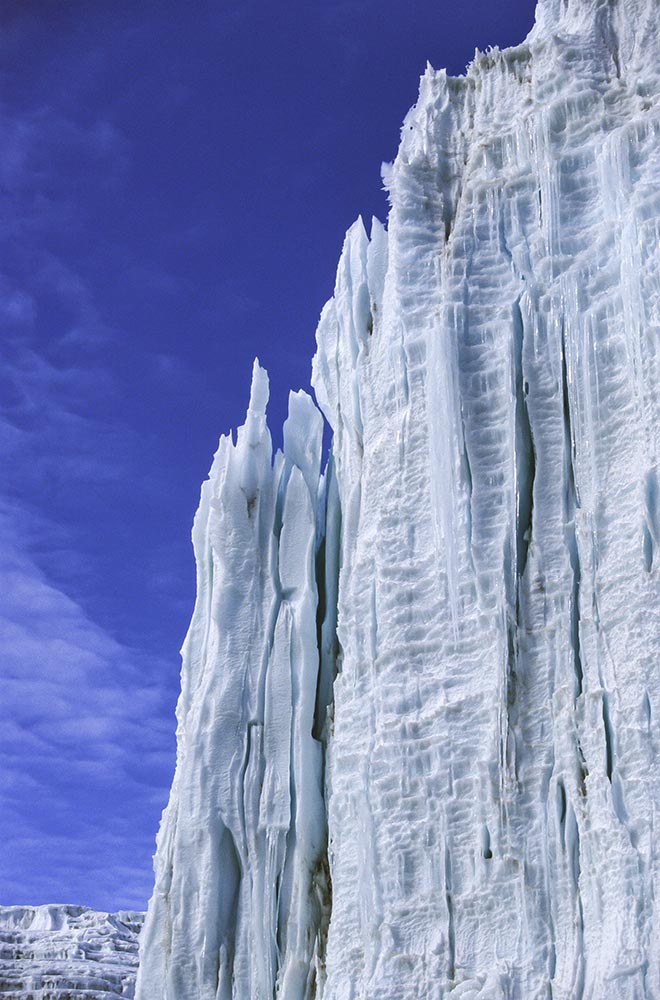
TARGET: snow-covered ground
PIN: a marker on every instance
(67, 953)
(477, 572)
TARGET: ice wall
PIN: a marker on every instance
(490, 369)
(483, 578)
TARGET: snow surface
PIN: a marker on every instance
(418, 739)
(67, 953)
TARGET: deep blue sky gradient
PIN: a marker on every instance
(176, 184)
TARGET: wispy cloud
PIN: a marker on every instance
(86, 728)
(84, 739)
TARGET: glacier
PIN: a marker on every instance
(418, 745)
(60, 952)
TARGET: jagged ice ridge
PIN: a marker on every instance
(418, 737)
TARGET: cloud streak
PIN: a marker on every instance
(82, 739)
(86, 724)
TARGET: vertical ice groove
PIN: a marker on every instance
(327, 582)
(445, 455)
(571, 505)
(524, 447)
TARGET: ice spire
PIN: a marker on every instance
(240, 866)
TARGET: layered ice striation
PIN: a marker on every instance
(67, 953)
(418, 729)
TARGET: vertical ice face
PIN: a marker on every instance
(465, 609)
(240, 877)
(490, 371)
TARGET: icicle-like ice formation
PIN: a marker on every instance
(241, 883)
(488, 581)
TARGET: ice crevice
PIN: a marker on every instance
(571, 506)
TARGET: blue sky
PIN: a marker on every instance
(176, 180)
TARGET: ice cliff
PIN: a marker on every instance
(67, 952)
(419, 742)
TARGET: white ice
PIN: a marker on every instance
(465, 735)
(240, 868)
(61, 952)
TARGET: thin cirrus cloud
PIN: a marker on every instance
(86, 727)
(85, 719)
(83, 739)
